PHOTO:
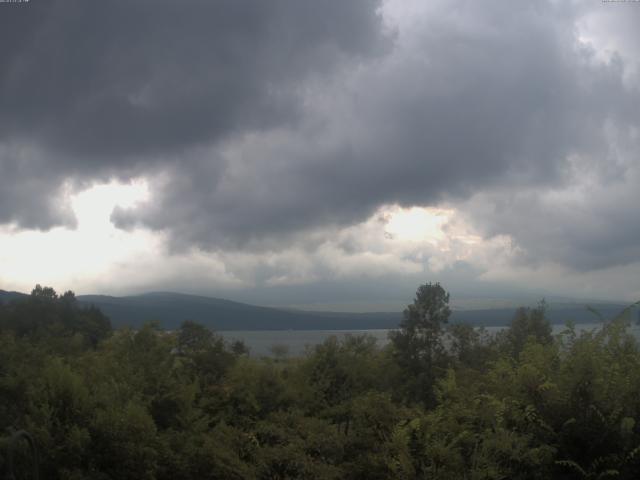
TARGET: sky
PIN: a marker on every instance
(330, 155)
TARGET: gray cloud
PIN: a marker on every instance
(589, 226)
(475, 101)
(259, 123)
(103, 88)
(28, 186)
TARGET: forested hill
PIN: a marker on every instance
(6, 297)
(171, 309)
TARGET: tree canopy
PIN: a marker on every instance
(439, 401)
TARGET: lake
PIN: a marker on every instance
(260, 342)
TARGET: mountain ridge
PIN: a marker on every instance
(170, 309)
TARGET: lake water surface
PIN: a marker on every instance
(260, 342)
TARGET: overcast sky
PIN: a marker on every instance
(330, 154)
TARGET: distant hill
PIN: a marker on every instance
(171, 309)
(557, 314)
(6, 297)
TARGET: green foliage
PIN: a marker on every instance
(418, 346)
(58, 319)
(437, 403)
(527, 323)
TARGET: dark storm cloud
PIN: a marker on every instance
(490, 96)
(120, 77)
(595, 228)
(259, 122)
(27, 190)
(98, 87)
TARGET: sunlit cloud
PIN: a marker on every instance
(68, 257)
(417, 224)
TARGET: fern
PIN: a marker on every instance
(571, 465)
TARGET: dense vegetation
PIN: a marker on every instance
(439, 402)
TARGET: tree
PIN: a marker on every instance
(469, 346)
(58, 320)
(205, 353)
(528, 324)
(418, 343)
(43, 293)
(194, 338)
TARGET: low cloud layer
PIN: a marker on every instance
(269, 127)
